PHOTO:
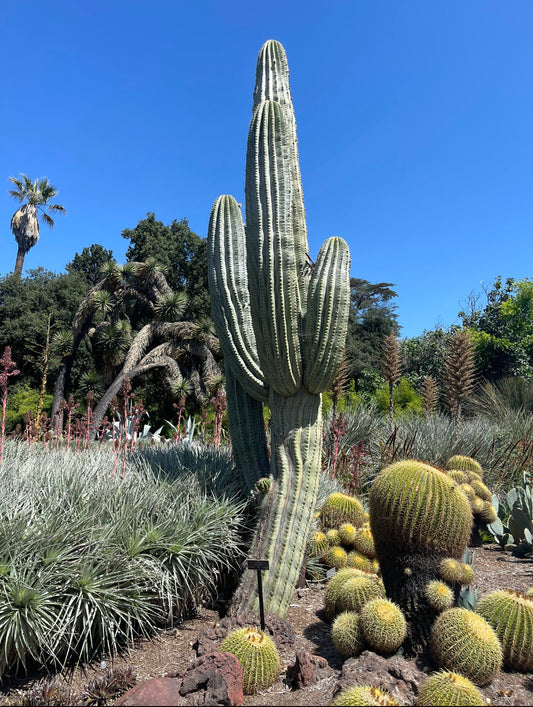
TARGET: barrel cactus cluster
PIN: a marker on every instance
(421, 521)
(282, 321)
(344, 538)
(468, 473)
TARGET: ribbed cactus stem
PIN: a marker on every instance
(282, 328)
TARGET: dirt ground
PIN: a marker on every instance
(171, 651)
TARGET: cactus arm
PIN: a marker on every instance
(272, 267)
(230, 299)
(326, 321)
(247, 431)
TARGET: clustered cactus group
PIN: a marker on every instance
(282, 321)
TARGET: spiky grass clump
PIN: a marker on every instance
(355, 592)
(464, 463)
(464, 642)
(449, 689)
(258, 655)
(346, 634)
(347, 533)
(511, 616)
(364, 696)
(105, 559)
(439, 595)
(383, 625)
(341, 508)
(336, 556)
(364, 542)
(318, 545)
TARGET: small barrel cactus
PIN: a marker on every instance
(258, 656)
(412, 505)
(439, 595)
(451, 570)
(347, 533)
(449, 689)
(336, 556)
(333, 536)
(481, 490)
(364, 696)
(359, 561)
(342, 508)
(383, 625)
(355, 592)
(263, 485)
(464, 642)
(458, 476)
(464, 463)
(364, 542)
(331, 595)
(511, 616)
(318, 545)
(346, 634)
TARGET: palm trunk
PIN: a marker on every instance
(19, 262)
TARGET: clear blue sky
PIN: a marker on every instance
(414, 123)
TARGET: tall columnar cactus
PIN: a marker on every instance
(282, 325)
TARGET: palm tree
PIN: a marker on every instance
(35, 199)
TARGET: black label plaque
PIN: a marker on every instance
(257, 564)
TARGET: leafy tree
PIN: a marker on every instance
(181, 253)
(404, 398)
(89, 263)
(425, 355)
(372, 317)
(35, 199)
(27, 306)
(502, 331)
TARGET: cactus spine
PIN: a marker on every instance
(282, 328)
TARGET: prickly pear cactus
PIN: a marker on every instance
(258, 656)
(449, 688)
(412, 505)
(282, 327)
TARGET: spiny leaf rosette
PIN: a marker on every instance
(282, 326)
(418, 517)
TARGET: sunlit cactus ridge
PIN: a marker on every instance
(282, 324)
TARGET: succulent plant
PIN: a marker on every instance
(359, 561)
(464, 642)
(439, 595)
(347, 533)
(346, 634)
(281, 326)
(333, 587)
(364, 542)
(449, 689)
(364, 696)
(464, 463)
(383, 625)
(355, 592)
(258, 656)
(342, 508)
(411, 507)
(318, 544)
(458, 476)
(335, 556)
(263, 485)
(333, 536)
(481, 490)
(511, 616)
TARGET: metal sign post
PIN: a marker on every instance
(259, 565)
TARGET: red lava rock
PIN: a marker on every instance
(308, 669)
(213, 679)
(159, 692)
